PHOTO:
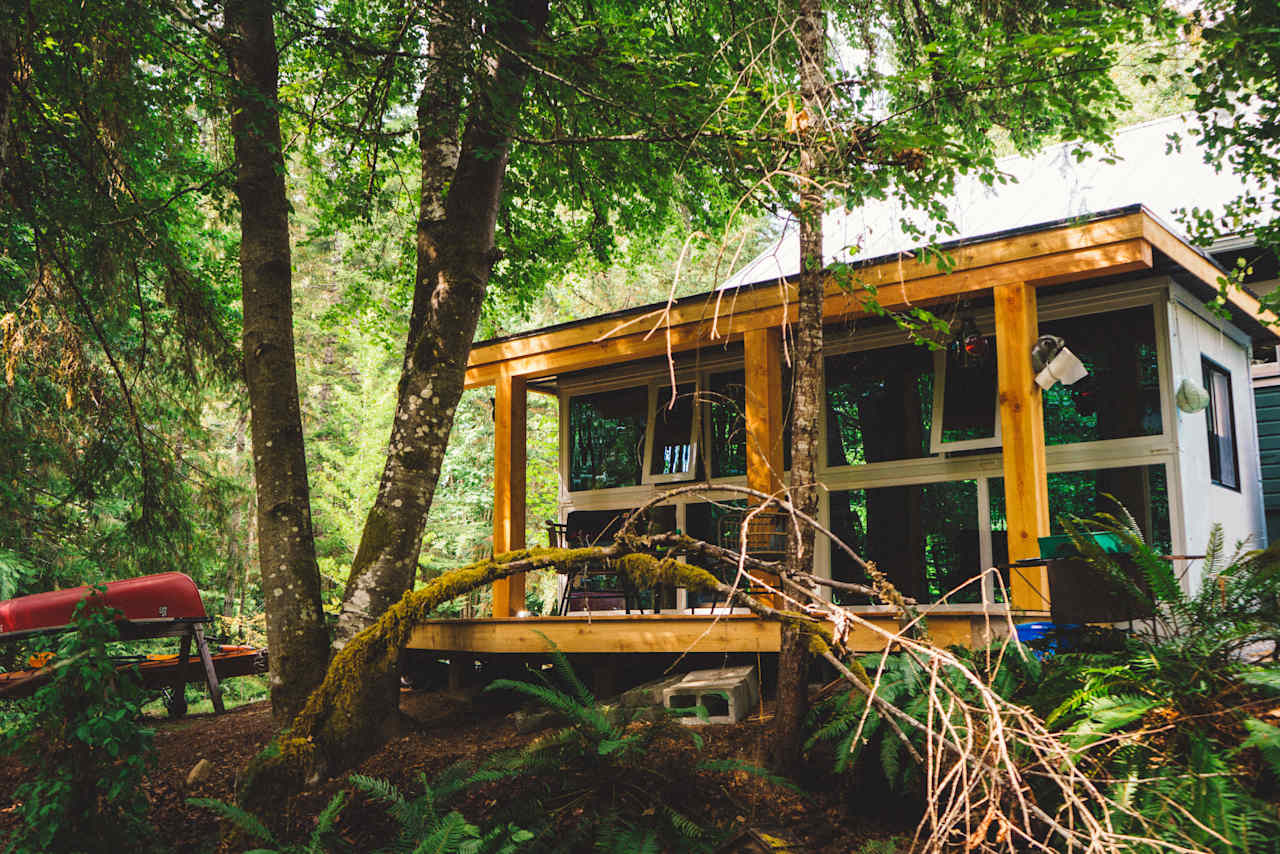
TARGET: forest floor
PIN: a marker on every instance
(442, 729)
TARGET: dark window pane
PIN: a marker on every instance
(1220, 418)
(713, 523)
(1142, 490)
(969, 396)
(1121, 395)
(923, 536)
(879, 405)
(726, 407)
(672, 431)
(606, 438)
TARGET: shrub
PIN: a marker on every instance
(81, 738)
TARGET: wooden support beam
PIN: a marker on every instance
(509, 416)
(210, 674)
(762, 361)
(738, 315)
(1026, 488)
(1035, 246)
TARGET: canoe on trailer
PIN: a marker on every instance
(163, 605)
(150, 606)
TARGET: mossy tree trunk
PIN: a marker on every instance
(296, 632)
(461, 192)
(793, 656)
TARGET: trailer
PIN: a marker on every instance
(151, 606)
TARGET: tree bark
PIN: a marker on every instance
(455, 257)
(296, 633)
(793, 656)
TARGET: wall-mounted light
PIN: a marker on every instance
(1053, 363)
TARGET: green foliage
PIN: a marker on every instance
(609, 780)
(854, 729)
(1235, 75)
(322, 838)
(423, 827)
(85, 749)
(115, 315)
(1167, 717)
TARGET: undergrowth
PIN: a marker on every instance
(1177, 719)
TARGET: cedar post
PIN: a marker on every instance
(762, 364)
(1022, 437)
(510, 402)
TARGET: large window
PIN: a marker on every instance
(606, 438)
(1143, 492)
(1224, 469)
(1120, 397)
(675, 445)
(726, 398)
(879, 405)
(726, 406)
(925, 537)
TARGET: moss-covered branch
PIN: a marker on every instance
(343, 719)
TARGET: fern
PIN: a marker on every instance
(1266, 738)
(242, 819)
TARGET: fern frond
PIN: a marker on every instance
(448, 835)
(325, 822)
(241, 818)
(377, 788)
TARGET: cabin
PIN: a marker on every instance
(937, 463)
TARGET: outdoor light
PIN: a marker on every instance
(969, 347)
(1053, 362)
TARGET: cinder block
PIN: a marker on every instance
(728, 694)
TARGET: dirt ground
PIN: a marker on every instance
(441, 729)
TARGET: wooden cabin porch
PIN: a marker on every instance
(1009, 272)
(665, 633)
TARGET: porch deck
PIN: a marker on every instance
(667, 633)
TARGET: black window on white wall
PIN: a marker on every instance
(1224, 469)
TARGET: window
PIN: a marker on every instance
(673, 448)
(714, 523)
(726, 400)
(727, 424)
(965, 401)
(926, 537)
(1143, 491)
(606, 438)
(1120, 397)
(879, 405)
(1220, 416)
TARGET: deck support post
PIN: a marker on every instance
(1022, 437)
(509, 415)
(762, 363)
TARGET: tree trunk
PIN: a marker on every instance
(296, 632)
(455, 256)
(806, 413)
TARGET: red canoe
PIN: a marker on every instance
(146, 602)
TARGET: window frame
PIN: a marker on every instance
(1209, 367)
(656, 387)
(936, 443)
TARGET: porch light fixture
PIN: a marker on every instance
(969, 347)
(1053, 363)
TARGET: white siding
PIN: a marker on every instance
(1195, 333)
